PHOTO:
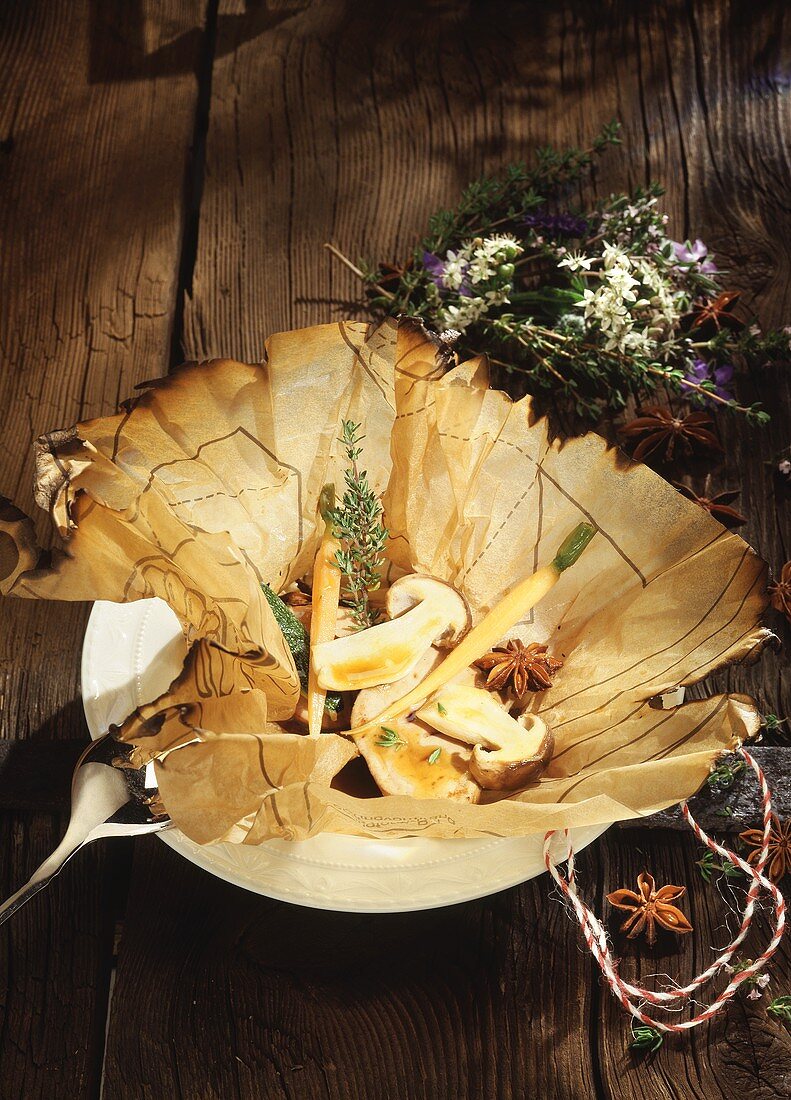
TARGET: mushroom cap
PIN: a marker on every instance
(515, 765)
(405, 770)
(414, 588)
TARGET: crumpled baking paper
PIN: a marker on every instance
(206, 485)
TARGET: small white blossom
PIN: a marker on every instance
(498, 297)
(614, 256)
(454, 270)
(466, 313)
(576, 261)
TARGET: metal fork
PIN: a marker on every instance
(108, 798)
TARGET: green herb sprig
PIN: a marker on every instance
(356, 521)
(771, 723)
(725, 775)
(709, 865)
(780, 1008)
(389, 739)
(646, 1039)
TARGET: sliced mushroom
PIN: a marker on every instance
(402, 766)
(423, 611)
(344, 622)
(509, 752)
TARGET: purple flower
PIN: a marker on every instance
(696, 253)
(721, 376)
(435, 267)
(437, 273)
(558, 225)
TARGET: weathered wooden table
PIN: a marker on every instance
(170, 171)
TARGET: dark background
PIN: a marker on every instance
(169, 172)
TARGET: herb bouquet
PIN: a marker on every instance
(591, 307)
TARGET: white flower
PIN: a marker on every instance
(487, 256)
(614, 256)
(454, 270)
(466, 313)
(480, 269)
(638, 342)
(501, 247)
(498, 296)
(576, 261)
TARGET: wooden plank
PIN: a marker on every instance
(222, 994)
(36, 775)
(93, 169)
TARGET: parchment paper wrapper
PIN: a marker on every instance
(207, 484)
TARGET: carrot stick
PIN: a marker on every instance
(503, 616)
(326, 597)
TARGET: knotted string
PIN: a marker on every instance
(596, 937)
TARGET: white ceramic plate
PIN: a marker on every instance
(131, 654)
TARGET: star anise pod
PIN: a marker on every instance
(779, 862)
(718, 310)
(658, 428)
(780, 591)
(526, 667)
(650, 907)
(719, 506)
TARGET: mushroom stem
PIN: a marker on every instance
(502, 618)
(326, 597)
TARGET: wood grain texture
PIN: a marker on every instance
(92, 167)
(224, 994)
(345, 121)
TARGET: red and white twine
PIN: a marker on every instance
(596, 937)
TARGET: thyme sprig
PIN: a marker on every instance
(356, 522)
(389, 739)
(725, 775)
(645, 1039)
(780, 1008)
(709, 865)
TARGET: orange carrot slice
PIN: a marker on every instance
(326, 598)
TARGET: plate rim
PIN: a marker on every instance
(103, 611)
